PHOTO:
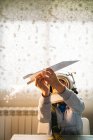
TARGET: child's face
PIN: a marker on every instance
(54, 90)
(63, 82)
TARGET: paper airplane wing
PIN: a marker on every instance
(55, 67)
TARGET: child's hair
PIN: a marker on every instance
(75, 90)
(51, 89)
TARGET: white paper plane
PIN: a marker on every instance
(55, 67)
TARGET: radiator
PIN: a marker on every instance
(17, 120)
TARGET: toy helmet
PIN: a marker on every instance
(55, 98)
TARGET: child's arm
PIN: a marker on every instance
(44, 109)
(72, 100)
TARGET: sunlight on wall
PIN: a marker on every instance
(24, 52)
(27, 48)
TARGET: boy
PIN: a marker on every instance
(67, 106)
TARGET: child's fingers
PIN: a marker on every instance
(50, 70)
(38, 76)
(39, 80)
(47, 80)
(47, 74)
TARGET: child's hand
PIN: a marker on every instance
(42, 84)
(50, 77)
(52, 80)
